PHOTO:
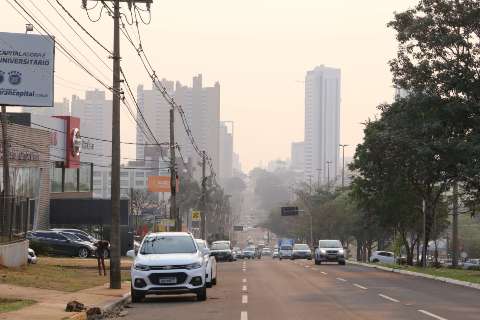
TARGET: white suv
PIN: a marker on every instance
(168, 263)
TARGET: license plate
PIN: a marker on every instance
(167, 280)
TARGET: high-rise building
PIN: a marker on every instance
(201, 106)
(156, 111)
(226, 150)
(59, 109)
(297, 156)
(322, 123)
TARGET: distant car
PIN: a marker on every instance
(301, 251)
(238, 253)
(249, 253)
(85, 236)
(330, 251)
(275, 253)
(221, 251)
(168, 263)
(211, 274)
(266, 252)
(31, 256)
(60, 243)
(382, 257)
(472, 264)
(285, 251)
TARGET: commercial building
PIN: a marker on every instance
(322, 123)
(226, 150)
(297, 154)
(201, 106)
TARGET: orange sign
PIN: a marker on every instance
(159, 184)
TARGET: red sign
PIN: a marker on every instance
(74, 141)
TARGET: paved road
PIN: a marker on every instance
(287, 290)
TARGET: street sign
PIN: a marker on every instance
(26, 69)
(159, 184)
(237, 228)
(196, 216)
(289, 211)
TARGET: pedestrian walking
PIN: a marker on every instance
(101, 252)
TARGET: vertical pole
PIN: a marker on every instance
(115, 275)
(343, 166)
(311, 229)
(455, 226)
(91, 178)
(203, 223)
(328, 175)
(425, 244)
(78, 179)
(173, 173)
(6, 173)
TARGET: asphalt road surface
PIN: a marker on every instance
(288, 290)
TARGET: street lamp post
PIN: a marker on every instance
(318, 177)
(328, 175)
(343, 163)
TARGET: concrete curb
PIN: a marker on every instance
(106, 308)
(418, 274)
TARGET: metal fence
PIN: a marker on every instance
(15, 218)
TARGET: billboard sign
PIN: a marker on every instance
(196, 216)
(237, 228)
(290, 211)
(159, 184)
(26, 70)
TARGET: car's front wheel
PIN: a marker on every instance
(214, 281)
(136, 295)
(83, 252)
(202, 294)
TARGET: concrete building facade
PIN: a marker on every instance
(322, 123)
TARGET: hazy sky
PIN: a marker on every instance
(259, 51)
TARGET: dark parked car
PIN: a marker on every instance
(84, 236)
(60, 243)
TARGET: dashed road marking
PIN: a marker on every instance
(431, 315)
(322, 272)
(359, 286)
(244, 288)
(307, 266)
(244, 280)
(341, 279)
(244, 299)
(244, 315)
(388, 298)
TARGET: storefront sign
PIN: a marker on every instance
(20, 154)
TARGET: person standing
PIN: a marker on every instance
(101, 252)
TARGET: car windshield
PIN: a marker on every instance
(168, 244)
(286, 248)
(220, 246)
(249, 249)
(301, 247)
(330, 244)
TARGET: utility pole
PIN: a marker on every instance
(173, 173)
(328, 175)
(425, 244)
(6, 218)
(310, 183)
(455, 225)
(318, 177)
(203, 208)
(343, 163)
(115, 275)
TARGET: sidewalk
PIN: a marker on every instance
(51, 304)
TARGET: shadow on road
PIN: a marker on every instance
(171, 299)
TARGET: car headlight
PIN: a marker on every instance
(323, 251)
(195, 265)
(340, 251)
(141, 267)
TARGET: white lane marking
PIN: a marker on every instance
(244, 288)
(244, 298)
(244, 280)
(431, 315)
(341, 279)
(359, 286)
(307, 266)
(388, 298)
(323, 272)
(244, 315)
